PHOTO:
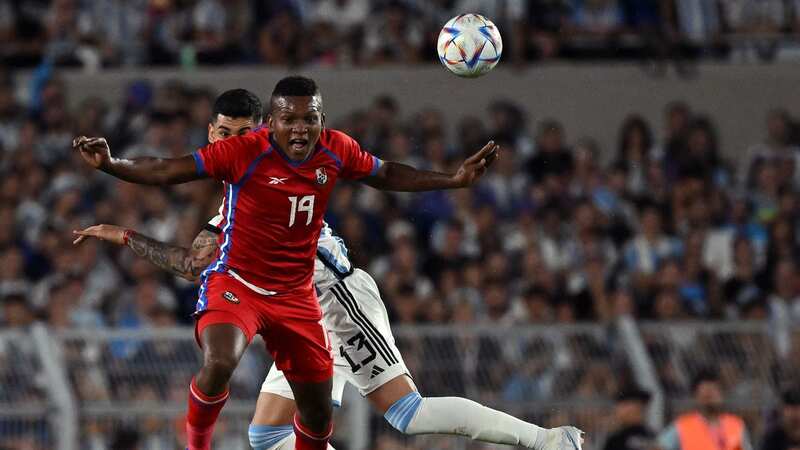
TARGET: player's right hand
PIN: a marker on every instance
(94, 150)
(110, 233)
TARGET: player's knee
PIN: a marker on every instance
(219, 368)
(318, 416)
(266, 437)
(402, 412)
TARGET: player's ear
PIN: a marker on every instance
(210, 133)
(323, 120)
(269, 121)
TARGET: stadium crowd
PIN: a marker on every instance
(366, 32)
(560, 231)
(665, 230)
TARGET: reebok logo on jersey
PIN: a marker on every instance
(277, 180)
(230, 296)
(322, 176)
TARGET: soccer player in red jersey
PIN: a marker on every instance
(278, 181)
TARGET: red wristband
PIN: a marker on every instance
(126, 235)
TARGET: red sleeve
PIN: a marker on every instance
(356, 162)
(229, 159)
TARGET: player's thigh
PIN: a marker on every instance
(274, 410)
(299, 346)
(225, 316)
(275, 383)
(222, 342)
(362, 339)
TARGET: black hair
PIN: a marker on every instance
(295, 86)
(703, 376)
(677, 106)
(633, 122)
(791, 396)
(238, 103)
(550, 124)
(386, 101)
(536, 291)
(15, 297)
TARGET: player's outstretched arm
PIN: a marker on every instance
(183, 262)
(144, 170)
(394, 176)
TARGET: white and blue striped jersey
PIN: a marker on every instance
(332, 263)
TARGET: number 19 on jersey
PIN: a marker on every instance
(304, 204)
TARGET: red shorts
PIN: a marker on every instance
(291, 325)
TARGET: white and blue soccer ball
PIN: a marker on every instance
(469, 45)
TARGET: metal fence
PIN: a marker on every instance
(550, 375)
(24, 400)
(753, 364)
(103, 389)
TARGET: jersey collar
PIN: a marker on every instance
(292, 162)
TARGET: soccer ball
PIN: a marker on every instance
(469, 45)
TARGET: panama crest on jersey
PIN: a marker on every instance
(322, 176)
(230, 296)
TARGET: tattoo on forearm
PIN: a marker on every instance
(177, 260)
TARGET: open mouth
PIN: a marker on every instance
(298, 144)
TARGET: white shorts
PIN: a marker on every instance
(364, 351)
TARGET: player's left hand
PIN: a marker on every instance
(475, 166)
(110, 233)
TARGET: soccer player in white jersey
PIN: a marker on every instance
(365, 354)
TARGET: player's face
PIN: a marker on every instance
(225, 127)
(296, 123)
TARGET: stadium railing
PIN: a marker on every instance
(91, 389)
(753, 367)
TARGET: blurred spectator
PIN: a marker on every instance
(552, 158)
(742, 288)
(280, 41)
(777, 147)
(784, 300)
(535, 306)
(758, 22)
(591, 25)
(17, 311)
(507, 124)
(629, 412)
(698, 21)
(786, 435)
(708, 426)
(118, 30)
(650, 247)
(545, 19)
(391, 37)
(634, 152)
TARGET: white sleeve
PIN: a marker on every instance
(217, 220)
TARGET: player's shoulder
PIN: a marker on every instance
(260, 133)
(257, 139)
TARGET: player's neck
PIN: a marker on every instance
(296, 158)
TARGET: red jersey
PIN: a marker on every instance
(274, 206)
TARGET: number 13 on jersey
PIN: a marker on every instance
(304, 204)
